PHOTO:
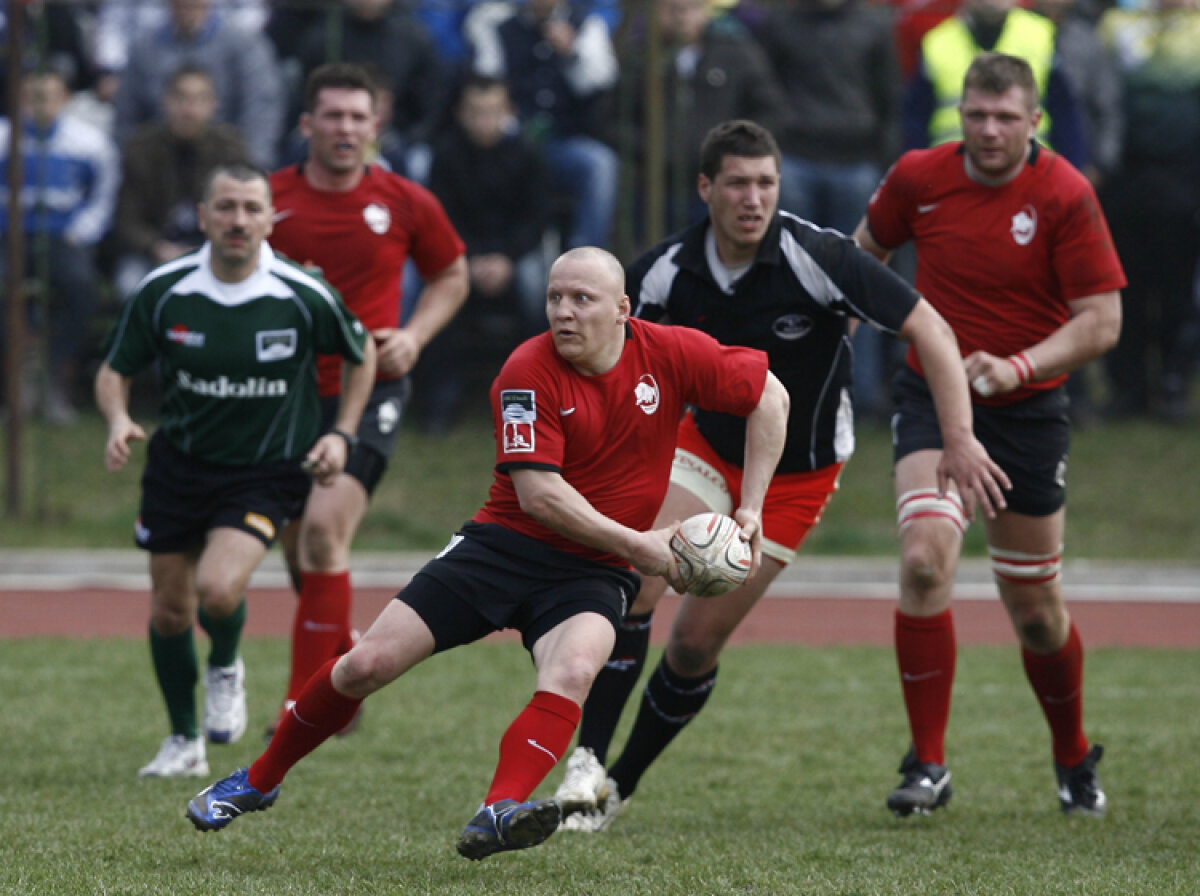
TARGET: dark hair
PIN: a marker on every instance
(189, 70)
(997, 73)
(239, 171)
(739, 137)
(345, 75)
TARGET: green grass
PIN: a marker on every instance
(776, 789)
(1134, 491)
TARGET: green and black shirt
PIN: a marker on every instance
(238, 360)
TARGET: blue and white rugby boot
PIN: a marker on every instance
(507, 824)
(213, 808)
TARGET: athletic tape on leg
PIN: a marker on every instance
(1026, 569)
(928, 504)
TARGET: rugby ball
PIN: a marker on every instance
(712, 553)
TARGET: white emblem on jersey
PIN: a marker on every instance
(282, 214)
(387, 416)
(518, 411)
(1024, 226)
(792, 326)
(275, 345)
(926, 209)
(645, 393)
(378, 218)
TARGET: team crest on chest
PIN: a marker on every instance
(275, 345)
(645, 393)
(518, 412)
(378, 218)
(1024, 226)
(791, 327)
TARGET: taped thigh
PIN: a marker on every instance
(926, 503)
(1026, 569)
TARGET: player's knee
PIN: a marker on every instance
(218, 597)
(691, 658)
(319, 546)
(168, 620)
(364, 670)
(923, 567)
(1040, 621)
(1037, 633)
(573, 676)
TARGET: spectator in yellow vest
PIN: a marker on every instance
(930, 114)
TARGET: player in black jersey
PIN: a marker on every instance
(751, 275)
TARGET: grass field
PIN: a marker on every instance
(1133, 493)
(777, 789)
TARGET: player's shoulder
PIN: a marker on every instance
(285, 178)
(1050, 166)
(932, 158)
(305, 282)
(384, 181)
(1060, 185)
(667, 340)
(171, 272)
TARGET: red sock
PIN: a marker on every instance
(926, 651)
(1057, 681)
(320, 712)
(532, 746)
(321, 627)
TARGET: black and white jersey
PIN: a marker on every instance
(794, 302)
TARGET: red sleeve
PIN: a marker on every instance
(1085, 260)
(436, 244)
(726, 378)
(524, 395)
(889, 211)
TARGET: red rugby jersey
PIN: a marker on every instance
(999, 263)
(361, 239)
(611, 436)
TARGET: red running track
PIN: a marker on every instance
(814, 620)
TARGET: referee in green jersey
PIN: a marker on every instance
(234, 330)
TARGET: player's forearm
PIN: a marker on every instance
(558, 506)
(1093, 329)
(942, 362)
(867, 242)
(439, 301)
(112, 394)
(357, 382)
(766, 432)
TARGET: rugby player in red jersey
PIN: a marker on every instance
(359, 224)
(585, 422)
(1013, 250)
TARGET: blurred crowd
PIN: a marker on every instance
(546, 124)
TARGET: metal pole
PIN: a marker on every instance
(654, 127)
(15, 271)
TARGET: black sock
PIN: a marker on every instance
(612, 687)
(668, 704)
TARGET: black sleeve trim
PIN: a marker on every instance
(526, 465)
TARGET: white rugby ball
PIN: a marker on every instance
(712, 553)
